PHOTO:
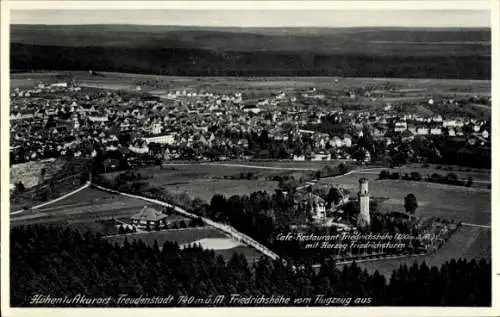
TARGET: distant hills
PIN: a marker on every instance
(198, 51)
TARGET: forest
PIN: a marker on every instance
(204, 62)
(205, 51)
(57, 261)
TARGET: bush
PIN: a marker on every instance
(395, 175)
(384, 174)
(415, 176)
(20, 187)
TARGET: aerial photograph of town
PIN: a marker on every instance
(171, 158)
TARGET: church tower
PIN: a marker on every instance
(364, 204)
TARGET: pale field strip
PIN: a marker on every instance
(475, 225)
(246, 166)
(214, 243)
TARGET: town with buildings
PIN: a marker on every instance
(64, 120)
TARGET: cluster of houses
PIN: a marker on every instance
(413, 125)
(62, 119)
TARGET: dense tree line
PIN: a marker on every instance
(61, 262)
(179, 62)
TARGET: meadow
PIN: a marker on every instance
(204, 180)
(481, 178)
(205, 189)
(461, 172)
(87, 205)
(466, 204)
(409, 88)
(180, 236)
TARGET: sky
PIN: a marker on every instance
(260, 18)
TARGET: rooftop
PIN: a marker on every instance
(149, 214)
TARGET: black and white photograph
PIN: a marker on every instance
(196, 157)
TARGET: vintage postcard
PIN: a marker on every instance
(250, 158)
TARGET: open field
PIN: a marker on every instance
(481, 177)
(181, 236)
(467, 242)
(282, 165)
(182, 172)
(421, 86)
(214, 243)
(471, 205)
(205, 180)
(409, 88)
(88, 205)
(205, 189)
(462, 172)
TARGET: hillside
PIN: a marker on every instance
(350, 52)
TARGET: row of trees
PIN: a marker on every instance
(61, 262)
(449, 179)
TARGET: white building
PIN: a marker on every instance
(321, 157)
(449, 123)
(400, 126)
(149, 218)
(436, 131)
(60, 85)
(347, 141)
(97, 118)
(162, 139)
(312, 204)
(422, 131)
